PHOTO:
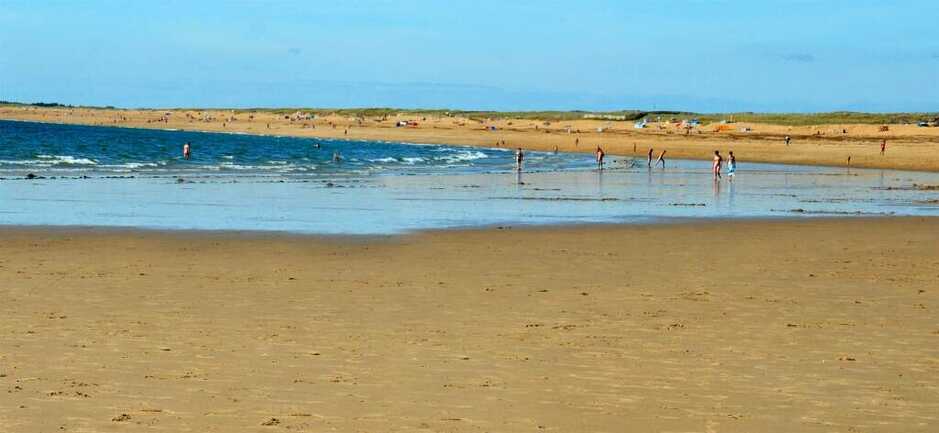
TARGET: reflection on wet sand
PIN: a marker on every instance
(374, 204)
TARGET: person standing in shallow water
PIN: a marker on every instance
(518, 159)
(187, 150)
(600, 156)
(649, 163)
(731, 166)
(718, 159)
(661, 159)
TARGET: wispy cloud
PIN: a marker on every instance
(799, 57)
(294, 51)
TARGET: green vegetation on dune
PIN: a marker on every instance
(793, 119)
(836, 117)
(626, 115)
(52, 105)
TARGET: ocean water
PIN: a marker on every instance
(27, 147)
(97, 176)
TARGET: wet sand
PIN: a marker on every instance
(908, 147)
(809, 325)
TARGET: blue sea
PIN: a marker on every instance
(77, 149)
(67, 175)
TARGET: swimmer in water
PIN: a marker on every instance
(187, 150)
(337, 157)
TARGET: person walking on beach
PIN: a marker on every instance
(650, 158)
(718, 159)
(731, 166)
(788, 138)
(600, 156)
(883, 146)
(187, 150)
(519, 156)
(661, 159)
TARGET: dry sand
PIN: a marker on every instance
(908, 147)
(783, 326)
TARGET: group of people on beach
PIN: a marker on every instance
(719, 162)
(661, 158)
(600, 155)
(520, 155)
(716, 167)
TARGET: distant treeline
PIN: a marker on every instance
(51, 105)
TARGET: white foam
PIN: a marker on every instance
(464, 156)
(412, 160)
(133, 165)
(66, 159)
(24, 162)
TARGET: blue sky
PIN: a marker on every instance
(507, 55)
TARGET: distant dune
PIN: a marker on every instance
(836, 139)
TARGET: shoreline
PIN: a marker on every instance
(909, 148)
(272, 235)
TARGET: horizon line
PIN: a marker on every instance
(644, 112)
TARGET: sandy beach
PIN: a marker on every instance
(908, 146)
(826, 326)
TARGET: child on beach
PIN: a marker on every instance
(661, 159)
(600, 156)
(717, 164)
(731, 166)
(519, 156)
(187, 150)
